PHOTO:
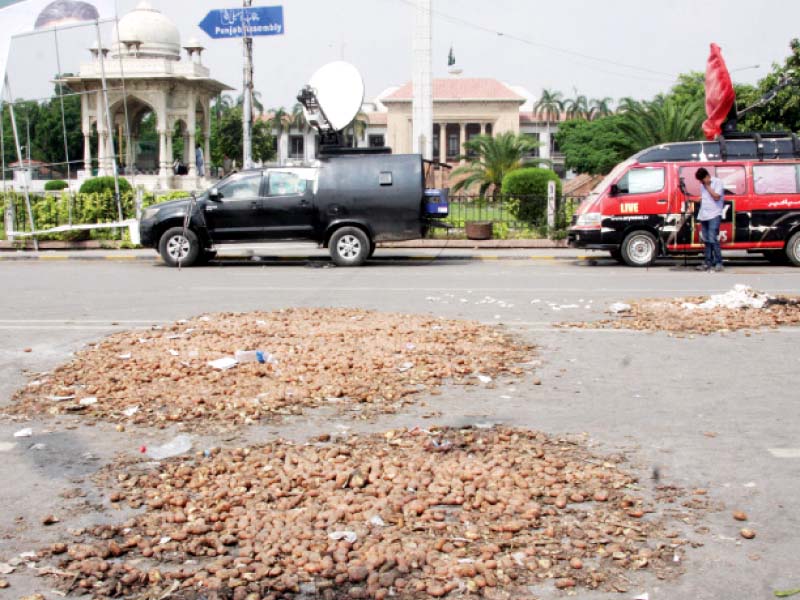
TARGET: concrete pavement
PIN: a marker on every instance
(717, 412)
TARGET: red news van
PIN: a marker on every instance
(642, 209)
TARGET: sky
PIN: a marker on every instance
(612, 48)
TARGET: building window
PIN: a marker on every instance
(275, 145)
(473, 130)
(453, 133)
(437, 136)
(296, 146)
(554, 149)
(535, 138)
(489, 129)
(376, 141)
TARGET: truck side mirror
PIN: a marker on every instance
(614, 191)
(214, 194)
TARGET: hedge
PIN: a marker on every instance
(56, 185)
(528, 187)
(98, 185)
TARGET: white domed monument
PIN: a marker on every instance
(147, 78)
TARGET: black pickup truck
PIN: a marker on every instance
(345, 203)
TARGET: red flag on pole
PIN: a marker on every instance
(720, 95)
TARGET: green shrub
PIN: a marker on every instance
(98, 185)
(174, 195)
(528, 189)
(56, 185)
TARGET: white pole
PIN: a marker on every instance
(109, 125)
(25, 189)
(422, 81)
(247, 91)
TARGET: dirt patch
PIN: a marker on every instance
(740, 309)
(412, 514)
(312, 358)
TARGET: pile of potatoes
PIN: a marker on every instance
(341, 358)
(672, 317)
(408, 513)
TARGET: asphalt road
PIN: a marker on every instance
(652, 396)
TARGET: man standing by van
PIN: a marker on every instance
(712, 205)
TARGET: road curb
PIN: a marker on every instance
(299, 259)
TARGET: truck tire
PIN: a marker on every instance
(349, 247)
(793, 249)
(175, 248)
(639, 249)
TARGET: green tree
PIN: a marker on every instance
(662, 121)
(489, 159)
(783, 111)
(593, 147)
(258, 107)
(549, 107)
(577, 107)
(600, 107)
(226, 138)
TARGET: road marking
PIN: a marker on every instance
(651, 292)
(785, 452)
(81, 321)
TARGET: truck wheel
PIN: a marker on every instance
(175, 248)
(349, 247)
(793, 249)
(616, 254)
(639, 249)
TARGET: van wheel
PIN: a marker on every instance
(176, 248)
(349, 247)
(639, 249)
(793, 249)
(616, 254)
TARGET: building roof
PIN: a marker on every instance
(377, 118)
(533, 117)
(581, 185)
(457, 88)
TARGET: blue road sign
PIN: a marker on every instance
(240, 22)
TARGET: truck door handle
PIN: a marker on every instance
(254, 205)
(304, 202)
(662, 201)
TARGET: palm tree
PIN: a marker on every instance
(359, 126)
(662, 121)
(489, 159)
(628, 104)
(577, 107)
(279, 121)
(600, 107)
(298, 117)
(549, 108)
(257, 105)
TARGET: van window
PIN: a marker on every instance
(286, 184)
(775, 179)
(642, 181)
(733, 177)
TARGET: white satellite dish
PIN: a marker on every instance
(339, 89)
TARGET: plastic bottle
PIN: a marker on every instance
(251, 356)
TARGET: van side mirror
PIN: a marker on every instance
(214, 194)
(614, 191)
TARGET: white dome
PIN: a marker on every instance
(155, 34)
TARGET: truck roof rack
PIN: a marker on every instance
(731, 146)
(327, 151)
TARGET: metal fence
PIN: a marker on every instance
(511, 216)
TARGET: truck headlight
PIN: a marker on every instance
(592, 219)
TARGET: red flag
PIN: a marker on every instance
(720, 95)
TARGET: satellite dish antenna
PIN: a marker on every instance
(333, 96)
